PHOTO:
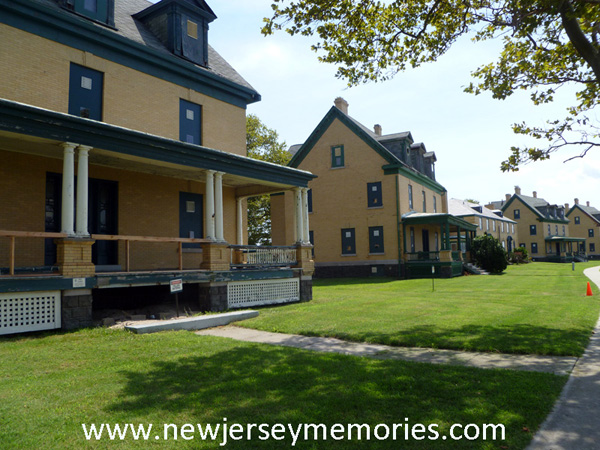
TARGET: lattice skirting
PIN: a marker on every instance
(29, 311)
(265, 292)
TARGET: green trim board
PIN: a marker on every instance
(564, 239)
(30, 120)
(69, 29)
(412, 174)
(438, 219)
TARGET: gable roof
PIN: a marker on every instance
(533, 203)
(131, 44)
(590, 211)
(394, 165)
(462, 208)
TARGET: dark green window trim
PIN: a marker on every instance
(590, 232)
(592, 248)
(534, 248)
(376, 246)
(348, 241)
(337, 156)
(532, 230)
(374, 195)
(517, 214)
(577, 220)
(410, 197)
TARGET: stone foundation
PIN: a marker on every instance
(212, 297)
(76, 309)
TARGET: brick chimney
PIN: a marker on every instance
(534, 194)
(566, 206)
(517, 190)
(377, 129)
(341, 104)
(577, 201)
(508, 196)
(587, 203)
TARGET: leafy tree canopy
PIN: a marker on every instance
(262, 143)
(546, 45)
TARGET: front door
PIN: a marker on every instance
(426, 240)
(102, 219)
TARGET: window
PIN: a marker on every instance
(190, 122)
(534, 248)
(410, 197)
(481, 223)
(376, 240)
(549, 230)
(487, 224)
(512, 228)
(493, 225)
(532, 230)
(591, 232)
(517, 213)
(577, 220)
(311, 238)
(437, 241)
(502, 227)
(374, 199)
(100, 10)
(522, 245)
(434, 204)
(337, 156)
(564, 231)
(348, 241)
(192, 29)
(592, 248)
(310, 206)
(412, 240)
(85, 92)
(556, 230)
(190, 217)
(424, 201)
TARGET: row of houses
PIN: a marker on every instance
(124, 169)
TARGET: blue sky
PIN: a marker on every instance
(470, 134)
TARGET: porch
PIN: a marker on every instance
(449, 236)
(565, 249)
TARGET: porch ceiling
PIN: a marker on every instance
(50, 148)
(564, 239)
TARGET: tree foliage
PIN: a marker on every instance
(262, 143)
(489, 254)
(546, 45)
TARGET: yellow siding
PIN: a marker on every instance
(582, 230)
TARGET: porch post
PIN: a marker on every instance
(68, 192)
(210, 205)
(459, 241)
(305, 234)
(299, 215)
(240, 230)
(447, 239)
(219, 206)
(81, 221)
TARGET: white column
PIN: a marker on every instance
(81, 214)
(68, 188)
(219, 206)
(299, 215)
(305, 234)
(240, 229)
(209, 208)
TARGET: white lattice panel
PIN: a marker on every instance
(29, 311)
(264, 292)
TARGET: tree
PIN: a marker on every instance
(547, 44)
(489, 254)
(262, 143)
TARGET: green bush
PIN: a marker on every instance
(489, 254)
(519, 256)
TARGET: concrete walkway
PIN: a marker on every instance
(574, 423)
(552, 364)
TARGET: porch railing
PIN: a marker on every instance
(423, 256)
(13, 235)
(262, 256)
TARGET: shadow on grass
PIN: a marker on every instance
(521, 339)
(254, 384)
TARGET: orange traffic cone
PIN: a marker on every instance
(589, 290)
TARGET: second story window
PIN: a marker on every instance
(549, 231)
(532, 230)
(434, 204)
(85, 92)
(591, 232)
(424, 201)
(577, 220)
(190, 122)
(337, 156)
(374, 196)
(564, 231)
(517, 213)
(410, 197)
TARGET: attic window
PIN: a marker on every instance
(192, 29)
(90, 5)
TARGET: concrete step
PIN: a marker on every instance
(190, 323)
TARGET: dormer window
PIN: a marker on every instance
(192, 29)
(102, 11)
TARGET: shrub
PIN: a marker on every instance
(519, 256)
(489, 254)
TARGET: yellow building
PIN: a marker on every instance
(585, 223)
(375, 207)
(123, 148)
(543, 229)
(487, 222)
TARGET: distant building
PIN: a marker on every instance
(585, 223)
(543, 228)
(375, 207)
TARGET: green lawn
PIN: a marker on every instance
(536, 308)
(51, 384)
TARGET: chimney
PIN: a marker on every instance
(377, 129)
(517, 190)
(577, 201)
(341, 104)
(534, 194)
(587, 204)
(508, 196)
(566, 206)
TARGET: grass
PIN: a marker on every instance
(538, 308)
(53, 383)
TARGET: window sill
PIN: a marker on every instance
(348, 254)
(376, 254)
(375, 207)
(338, 167)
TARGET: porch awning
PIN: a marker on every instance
(563, 239)
(437, 219)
